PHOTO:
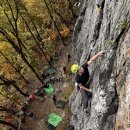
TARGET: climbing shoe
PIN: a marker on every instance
(86, 112)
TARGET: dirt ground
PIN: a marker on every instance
(42, 108)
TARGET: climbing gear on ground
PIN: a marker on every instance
(49, 90)
(54, 119)
(60, 104)
(32, 96)
(48, 71)
(39, 91)
(54, 79)
(50, 127)
(74, 68)
(31, 115)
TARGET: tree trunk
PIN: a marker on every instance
(6, 109)
(3, 108)
(14, 27)
(35, 40)
(19, 90)
(58, 14)
(8, 124)
(31, 67)
(14, 67)
(15, 32)
(72, 11)
(9, 98)
(49, 12)
(56, 46)
(12, 82)
(5, 34)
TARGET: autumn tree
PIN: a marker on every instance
(14, 38)
(3, 122)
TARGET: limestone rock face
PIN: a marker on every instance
(104, 25)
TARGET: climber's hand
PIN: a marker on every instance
(89, 90)
(101, 53)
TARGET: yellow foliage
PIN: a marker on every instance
(5, 49)
(47, 19)
(8, 70)
(2, 60)
(32, 3)
(4, 46)
(65, 33)
(53, 34)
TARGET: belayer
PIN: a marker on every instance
(82, 77)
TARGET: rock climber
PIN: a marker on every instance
(82, 77)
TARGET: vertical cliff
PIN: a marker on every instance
(104, 25)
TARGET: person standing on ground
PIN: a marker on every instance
(68, 57)
(82, 77)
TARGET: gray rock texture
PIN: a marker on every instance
(104, 25)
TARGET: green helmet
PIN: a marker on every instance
(74, 68)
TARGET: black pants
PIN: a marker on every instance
(85, 98)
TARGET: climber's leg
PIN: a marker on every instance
(84, 98)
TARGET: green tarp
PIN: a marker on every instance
(49, 90)
(54, 119)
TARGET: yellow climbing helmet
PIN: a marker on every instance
(74, 68)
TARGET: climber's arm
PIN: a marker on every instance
(92, 59)
(83, 87)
